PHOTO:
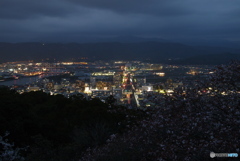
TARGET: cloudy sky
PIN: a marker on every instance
(73, 20)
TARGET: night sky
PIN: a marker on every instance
(75, 20)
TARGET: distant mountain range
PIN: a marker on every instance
(155, 51)
(137, 39)
(207, 59)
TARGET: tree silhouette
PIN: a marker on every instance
(110, 100)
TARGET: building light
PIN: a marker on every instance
(161, 91)
(67, 63)
(169, 91)
(161, 74)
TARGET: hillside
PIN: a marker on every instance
(157, 51)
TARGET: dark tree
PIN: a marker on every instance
(110, 100)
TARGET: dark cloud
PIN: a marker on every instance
(159, 7)
(22, 9)
(30, 20)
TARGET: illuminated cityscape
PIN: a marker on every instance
(111, 80)
(130, 82)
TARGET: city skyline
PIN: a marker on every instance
(119, 80)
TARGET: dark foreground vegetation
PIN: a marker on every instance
(189, 125)
(57, 128)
